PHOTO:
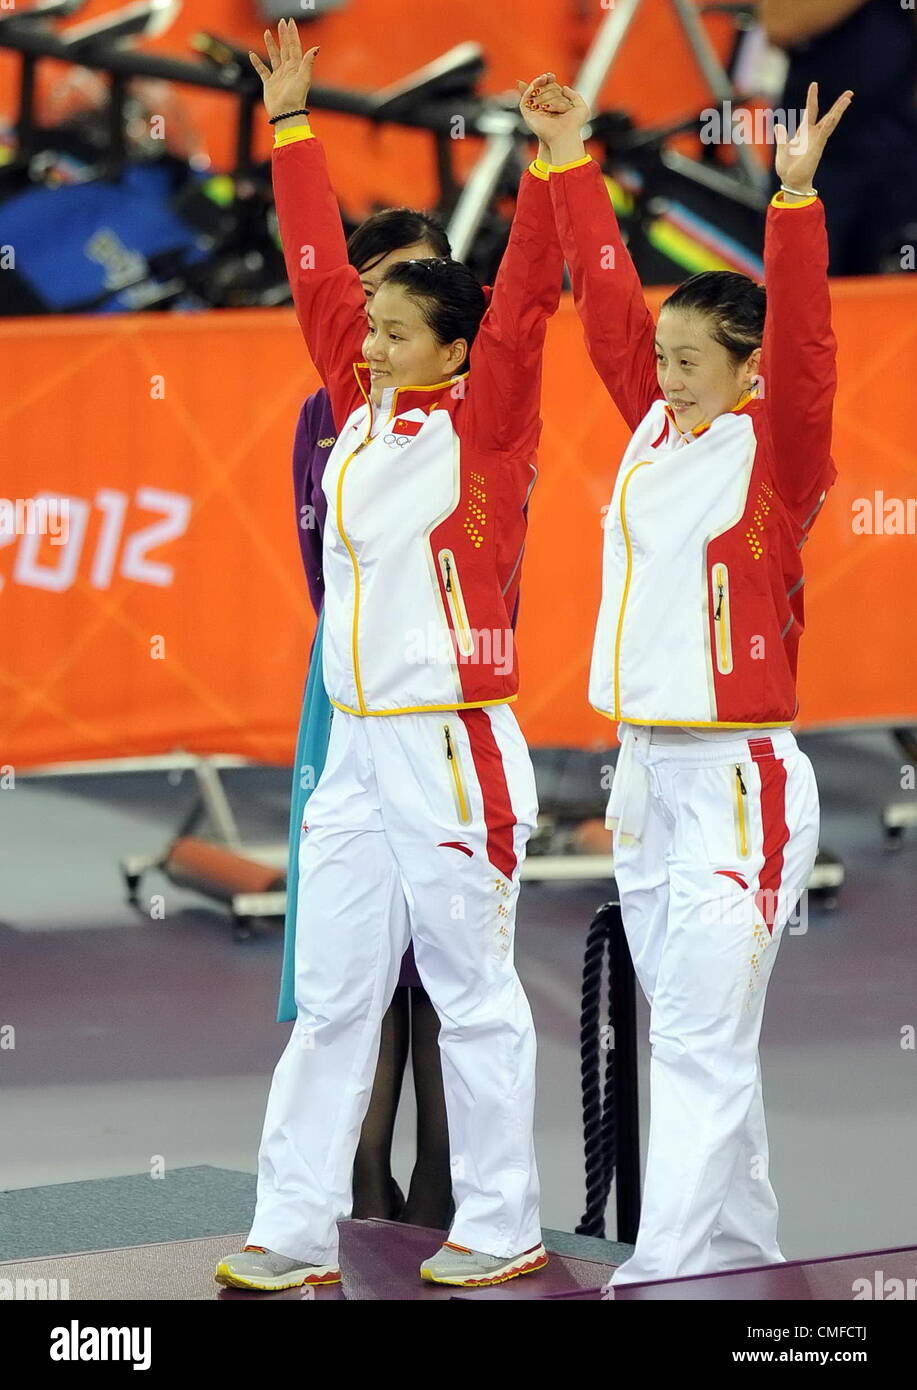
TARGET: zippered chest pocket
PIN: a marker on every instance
(456, 602)
(722, 622)
(456, 777)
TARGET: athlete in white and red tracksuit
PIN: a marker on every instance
(418, 826)
(714, 808)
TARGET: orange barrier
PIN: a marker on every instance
(177, 616)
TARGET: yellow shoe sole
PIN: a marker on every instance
(470, 1283)
(225, 1276)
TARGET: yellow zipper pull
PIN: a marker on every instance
(448, 575)
(741, 822)
(461, 800)
(719, 603)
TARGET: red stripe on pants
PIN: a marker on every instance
(773, 824)
(498, 810)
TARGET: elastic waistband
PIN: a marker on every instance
(654, 744)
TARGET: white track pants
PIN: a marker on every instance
(416, 830)
(705, 895)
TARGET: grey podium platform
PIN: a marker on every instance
(380, 1260)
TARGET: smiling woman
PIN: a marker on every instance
(423, 319)
(410, 1025)
(708, 345)
(427, 798)
(714, 809)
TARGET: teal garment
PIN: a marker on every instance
(311, 750)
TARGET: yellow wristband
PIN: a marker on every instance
(291, 133)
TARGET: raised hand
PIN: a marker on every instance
(796, 160)
(568, 125)
(286, 85)
(539, 102)
(563, 132)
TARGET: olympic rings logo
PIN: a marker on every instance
(400, 441)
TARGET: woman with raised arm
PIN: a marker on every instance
(419, 823)
(714, 808)
(410, 1025)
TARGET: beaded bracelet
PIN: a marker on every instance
(812, 193)
(303, 111)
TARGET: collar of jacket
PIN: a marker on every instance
(699, 429)
(406, 398)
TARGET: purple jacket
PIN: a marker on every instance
(313, 442)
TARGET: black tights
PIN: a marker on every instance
(411, 1022)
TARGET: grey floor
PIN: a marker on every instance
(144, 1044)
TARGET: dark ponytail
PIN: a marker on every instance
(733, 303)
(450, 300)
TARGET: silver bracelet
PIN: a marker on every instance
(812, 193)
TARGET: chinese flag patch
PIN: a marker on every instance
(406, 427)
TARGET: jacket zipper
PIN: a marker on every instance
(721, 623)
(741, 802)
(456, 601)
(617, 689)
(361, 703)
(458, 785)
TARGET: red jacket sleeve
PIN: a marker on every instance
(798, 355)
(504, 393)
(619, 329)
(329, 298)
